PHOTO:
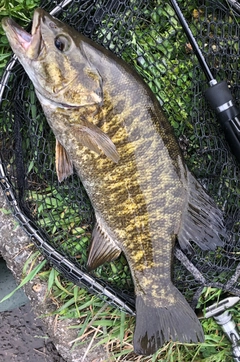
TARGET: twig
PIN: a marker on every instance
(89, 324)
(90, 344)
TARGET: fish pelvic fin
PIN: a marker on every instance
(202, 221)
(102, 249)
(159, 323)
(64, 166)
(96, 140)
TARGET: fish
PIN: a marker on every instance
(110, 128)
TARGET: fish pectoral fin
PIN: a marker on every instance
(102, 249)
(96, 140)
(64, 166)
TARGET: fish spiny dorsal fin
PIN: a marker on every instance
(64, 166)
(95, 139)
(102, 249)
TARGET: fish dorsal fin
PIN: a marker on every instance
(96, 140)
(102, 249)
(202, 221)
(64, 166)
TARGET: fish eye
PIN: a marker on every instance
(62, 43)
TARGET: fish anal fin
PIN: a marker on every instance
(202, 221)
(102, 249)
(64, 166)
(96, 140)
(158, 322)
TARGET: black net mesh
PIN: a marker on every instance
(147, 35)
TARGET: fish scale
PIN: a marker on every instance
(110, 126)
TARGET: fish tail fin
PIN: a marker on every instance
(157, 323)
(202, 221)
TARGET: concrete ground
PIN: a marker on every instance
(23, 337)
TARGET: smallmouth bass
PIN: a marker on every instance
(111, 128)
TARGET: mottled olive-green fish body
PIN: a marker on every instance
(110, 126)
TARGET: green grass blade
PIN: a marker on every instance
(29, 277)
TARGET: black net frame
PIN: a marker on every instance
(59, 217)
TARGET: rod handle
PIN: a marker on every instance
(221, 100)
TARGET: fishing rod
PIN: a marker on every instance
(235, 4)
(218, 94)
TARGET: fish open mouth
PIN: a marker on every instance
(23, 37)
(17, 36)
